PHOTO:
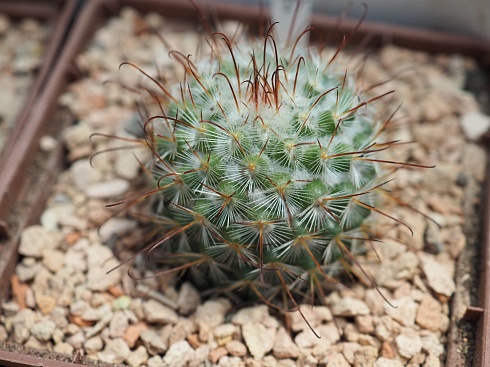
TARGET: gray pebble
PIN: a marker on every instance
(107, 189)
(157, 313)
(178, 354)
(153, 342)
(35, 239)
(115, 351)
(93, 345)
(118, 325)
(43, 330)
(432, 239)
(116, 227)
(138, 357)
(188, 299)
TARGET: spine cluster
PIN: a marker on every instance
(266, 168)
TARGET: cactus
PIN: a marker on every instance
(266, 168)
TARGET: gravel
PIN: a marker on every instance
(65, 300)
(22, 45)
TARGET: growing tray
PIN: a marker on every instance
(27, 178)
(60, 13)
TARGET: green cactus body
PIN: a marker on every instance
(263, 167)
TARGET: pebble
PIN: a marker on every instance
(385, 362)
(284, 347)
(53, 260)
(33, 343)
(385, 326)
(63, 348)
(116, 227)
(387, 275)
(432, 239)
(251, 314)
(438, 276)
(157, 313)
(329, 334)
(315, 315)
(178, 354)
(365, 324)
(227, 361)
(93, 345)
(475, 124)
(43, 330)
(258, 339)
(20, 333)
(155, 361)
(390, 249)
(133, 333)
(224, 333)
(216, 354)
(408, 343)
(387, 350)
(83, 174)
(337, 360)
(99, 326)
(182, 329)
(457, 242)
(152, 341)
(118, 325)
(10, 309)
(45, 303)
(307, 360)
(474, 161)
(76, 260)
(431, 344)
(115, 351)
(126, 165)
(434, 107)
(47, 143)
(365, 356)
(76, 340)
(429, 314)
(138, 357)
(349, 306)
(404, 310)
(52, 217)
(188, 300)
(4, 334)
(236, 348)
(349, 349)
(212, 313)
(58, 336)
(121, 303)
(99, 261)
(107, 189)
(432, 361)
(96, 314)
(26, 273)
(77, 135)
(199, 357)
(35, 239)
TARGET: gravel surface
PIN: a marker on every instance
(21, 47)
(64, 300)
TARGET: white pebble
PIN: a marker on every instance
(107, 189)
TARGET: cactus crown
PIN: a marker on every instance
(265, 168)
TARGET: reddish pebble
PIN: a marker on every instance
(133, 332)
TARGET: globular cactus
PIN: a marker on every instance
(266, 167)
